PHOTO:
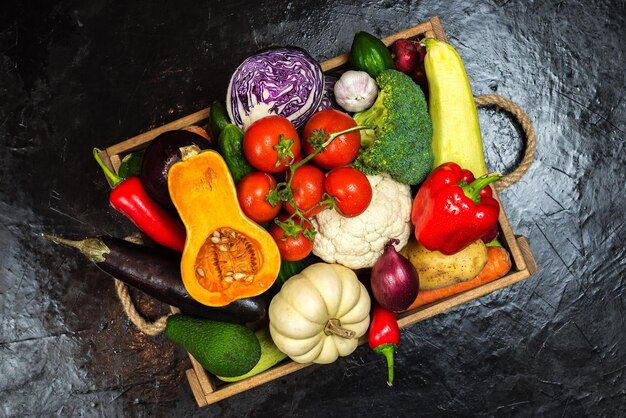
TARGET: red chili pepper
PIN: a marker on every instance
(450, 213)
(131, 199)
(384, 336)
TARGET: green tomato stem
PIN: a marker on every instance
(283, 190)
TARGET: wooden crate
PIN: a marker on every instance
(206, 388)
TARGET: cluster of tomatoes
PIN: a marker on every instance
(297, 179)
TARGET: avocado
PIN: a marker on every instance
(270, 356)
(222, 348)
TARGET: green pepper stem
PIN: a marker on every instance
(115, 179)
(473, 189)
(387, 350)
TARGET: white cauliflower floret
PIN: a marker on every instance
(358, 242)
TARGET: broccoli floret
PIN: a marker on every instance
(401, 144)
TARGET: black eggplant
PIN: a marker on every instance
(160, 155)
(157, 273)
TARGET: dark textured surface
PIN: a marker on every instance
(74, 75)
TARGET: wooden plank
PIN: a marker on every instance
(276, 372)
(438, 31)
(524, 246)
(137, 142)
(509, 240)
(413, 32)
(205, 381)
(195, 388)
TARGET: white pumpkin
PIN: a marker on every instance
(319, 314)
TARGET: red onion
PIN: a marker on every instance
(405, 55)
(394, 280)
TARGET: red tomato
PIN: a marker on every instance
(252, 192)
(343, 150)
(263, 137)
(308, 190)
(351, 189)
(291, 248)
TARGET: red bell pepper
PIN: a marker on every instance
(131, 199)
(449, 213)
(384, 336)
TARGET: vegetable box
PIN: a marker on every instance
(205, 387)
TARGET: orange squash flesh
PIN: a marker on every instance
(227, 256)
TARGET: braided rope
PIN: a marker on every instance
(145, 326)
(530, 144)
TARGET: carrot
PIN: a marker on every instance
(498, 264)
(197, 130)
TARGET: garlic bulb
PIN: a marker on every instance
(355, 91)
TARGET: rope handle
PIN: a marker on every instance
(130, 309)
(158, 326)
(522, 118)
(149, 328)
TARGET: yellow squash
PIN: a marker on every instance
(227, 256)
(456, 132)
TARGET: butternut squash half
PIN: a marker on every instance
(227, 256)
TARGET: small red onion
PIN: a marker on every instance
(405, 55)
(491, 234)
(394, 280)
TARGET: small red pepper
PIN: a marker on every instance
(450, 212)
(131, 199)
(384, 336)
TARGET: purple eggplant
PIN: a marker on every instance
(160, 155)
(156, 272)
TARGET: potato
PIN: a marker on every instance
(438, 270)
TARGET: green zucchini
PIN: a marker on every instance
(456, 132)
(230, 145)
(370, 54)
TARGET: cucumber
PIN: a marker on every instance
(456, 132)
(230, 145)
(370, 54)
(222, 348)
(270, 356)
(218, 118)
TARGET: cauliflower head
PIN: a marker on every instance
(358, 242)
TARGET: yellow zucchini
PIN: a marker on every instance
(456, 132)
